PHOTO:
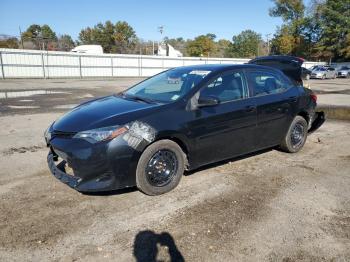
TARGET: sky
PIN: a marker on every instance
(180, 18)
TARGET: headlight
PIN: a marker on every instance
(101, 134)
(47, 134)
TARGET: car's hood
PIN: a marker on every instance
(318, 71)
(106, 111)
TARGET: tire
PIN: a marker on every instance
(296, 135)
(160, 167)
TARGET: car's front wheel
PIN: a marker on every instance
(160, 167)
(296, 135)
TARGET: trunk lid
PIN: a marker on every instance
(289, 65)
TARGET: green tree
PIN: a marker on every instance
(47, 33)
(125, 37)
(223, 48)
(201, 46)
(119, 38)
(333, 20)
(11, 42)
(65, 43)
(292, 37)
(245, 44)
(178, 43)
(33, 31)
(40, 36)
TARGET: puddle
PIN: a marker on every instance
(14, 94)
(24, 107)
(65, 106)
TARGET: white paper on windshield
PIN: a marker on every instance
(174, 97)
(199, 72)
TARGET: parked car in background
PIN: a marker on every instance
(181, 119)
(306, 73)
(324, 73)
(344, 71)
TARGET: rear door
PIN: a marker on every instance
(276, 99)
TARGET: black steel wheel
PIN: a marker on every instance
(296, 136)
(160, 167)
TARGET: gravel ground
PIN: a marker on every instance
(268, 206)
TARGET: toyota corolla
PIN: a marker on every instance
(181, 119)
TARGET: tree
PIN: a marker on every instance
(294, 37)
(124, 37)
(201, 46)
(11, 42)
(65, 43)
(289, 10)
(245, 44)
(33, 31)
(47, 33)
(120, 38)
(223, 48)
(39, 35)
(178, 43)
(333, 20)
(283, 43)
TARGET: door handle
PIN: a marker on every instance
(293, 98)
(250, 108)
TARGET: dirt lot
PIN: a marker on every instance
(270, 206)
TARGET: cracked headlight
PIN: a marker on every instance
(101, 134)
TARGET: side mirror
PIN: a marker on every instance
(204, 101)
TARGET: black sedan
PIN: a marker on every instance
(179, 120)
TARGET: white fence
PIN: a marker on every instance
(18, 63)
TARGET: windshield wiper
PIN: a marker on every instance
(137, 98)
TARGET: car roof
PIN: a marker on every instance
(224, 67)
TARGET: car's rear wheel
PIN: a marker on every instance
(296, 135)
(160, 167)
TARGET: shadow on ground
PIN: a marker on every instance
(148, 246)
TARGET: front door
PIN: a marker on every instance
(227, 129)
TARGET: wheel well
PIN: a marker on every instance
(305, 116)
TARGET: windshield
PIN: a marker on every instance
(344, 68)
(167, 86)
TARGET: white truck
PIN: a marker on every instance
(88, 49)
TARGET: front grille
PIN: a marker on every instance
(61, 134)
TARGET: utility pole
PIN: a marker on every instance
(20, 33)
(268, 43)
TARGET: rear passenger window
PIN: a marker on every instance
(265, 83)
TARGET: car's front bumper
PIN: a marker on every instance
(316, 76)
(94, 167)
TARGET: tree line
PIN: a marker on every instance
(319, 31)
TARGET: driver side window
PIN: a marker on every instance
(226, 87)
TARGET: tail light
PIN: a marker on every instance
(314, 97)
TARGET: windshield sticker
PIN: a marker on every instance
(174, 97)
(174, 80)
(199, 72)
